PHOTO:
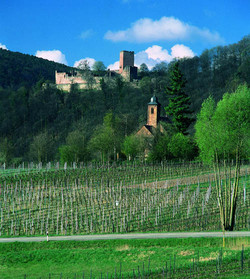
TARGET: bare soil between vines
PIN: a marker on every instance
(188, 180)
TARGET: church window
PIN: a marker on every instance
(152, 110)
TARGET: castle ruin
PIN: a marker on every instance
(127, 70)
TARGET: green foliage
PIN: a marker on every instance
(30, 104)
(143, 71)
(205, 131)
(75, 149)
(160, 150)
(41, 147)
(107, 138)
(179, 102)
(6, 150)
(17, 69)
(223, 133)
(182, 147)
(224, 129)
(232, 123)
(99, 68)
(133, 146)
(160, 68)
(174, 146)
(84, 65)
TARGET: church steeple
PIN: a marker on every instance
(153, 112)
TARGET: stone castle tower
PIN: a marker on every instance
(126, 60)
(153, 112)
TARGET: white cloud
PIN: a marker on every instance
(3, 46)
(181, 51)
(156, 54)
(90, 61)
(85, 34)
(114, 66)
(166, 28)
(52, 55)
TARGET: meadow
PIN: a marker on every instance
(156, 258)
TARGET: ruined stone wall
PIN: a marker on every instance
(65, 78)
(65, 84)
(129, 73)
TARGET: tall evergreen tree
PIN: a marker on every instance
(179, 102)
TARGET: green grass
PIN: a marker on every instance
(70, 257)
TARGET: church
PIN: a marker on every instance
(153, 119)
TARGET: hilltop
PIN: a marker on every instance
(18, 69)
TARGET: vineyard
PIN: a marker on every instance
(113, 199)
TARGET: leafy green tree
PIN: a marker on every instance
(86, 73)
(133, 146)
(159, 150)
(41, 147)
(102, 141)
(143, 70)
(84, 65)
(6, 150)
(99, 68)
(146, 87)
(160, 68)
(107, 138)
(75, 149)
(179, 102)
(182, 147)
(222, 134)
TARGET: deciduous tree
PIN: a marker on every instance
(222, 134)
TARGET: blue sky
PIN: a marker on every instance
(156, 30)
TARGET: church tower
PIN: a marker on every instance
(153, 112)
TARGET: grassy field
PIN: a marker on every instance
(93, 258)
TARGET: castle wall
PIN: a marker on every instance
(129, 73)
(64, 82)
(65, 78)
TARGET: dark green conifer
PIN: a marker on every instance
(178, 108)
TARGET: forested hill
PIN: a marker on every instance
(17, 69)
(217, 70)
(38, 120)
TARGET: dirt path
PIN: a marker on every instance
(187, 180)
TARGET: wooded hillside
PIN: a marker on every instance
(34, 117)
